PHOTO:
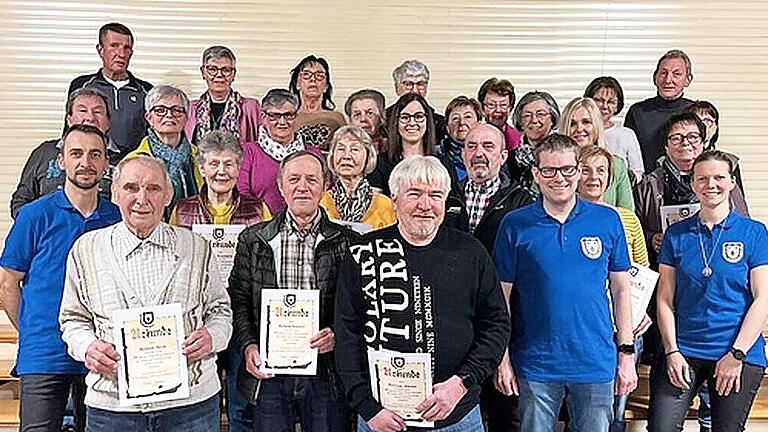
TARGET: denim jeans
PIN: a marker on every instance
(238, 414)
(200, 417)
(499, 410)
(705, 414)
(590, 405)
(472, 422)
(620, 402)
(44, 401)
(668, 403)
(317, 403)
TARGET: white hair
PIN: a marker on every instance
(419, 169)
(410, 68)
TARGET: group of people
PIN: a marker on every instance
(499, 238)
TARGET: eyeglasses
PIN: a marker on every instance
(421, 85)
(214, 70)
(693, 138)
(357, 115)
(162, 111)
(405, 118)
(609, 102)
(317, 75)
(493, 106)
(538, 115)
(274, 117)
(550, 172)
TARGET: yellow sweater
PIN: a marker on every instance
(635, 239)
(380, 214)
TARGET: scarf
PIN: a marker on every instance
(274, 149)
(179, 163)
(524, 154)
(352, 209)
(677, 186)
(229, 120)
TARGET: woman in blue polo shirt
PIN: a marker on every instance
(712, 304)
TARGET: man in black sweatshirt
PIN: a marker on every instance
(647, 118)
(420, 287)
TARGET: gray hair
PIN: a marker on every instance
(85, 92)
(277, 97)
(218, 52)
(675, 54)
(164, 91)
(410, 68)
(219, 141)
(371, 94)
(554, 111)
(554, 143)
(419, 169)
(362, 137)
(146, 160)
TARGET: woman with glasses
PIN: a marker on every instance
(277, 138)
(619, 140)
(221, 107)
(581, 121)
(712, 305)
(352, 199)
(317, 120)
(166, 112)
(536, 116)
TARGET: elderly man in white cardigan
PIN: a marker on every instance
(145, 262)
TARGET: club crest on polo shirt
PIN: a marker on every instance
(592, 247)
(733, 252)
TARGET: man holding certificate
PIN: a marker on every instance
(418, 303)
(145, 308)
(283, 286)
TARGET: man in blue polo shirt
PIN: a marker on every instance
(557, 255)
(32, 279)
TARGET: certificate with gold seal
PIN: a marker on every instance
(289, 319)
(152, 367)
(400, 382)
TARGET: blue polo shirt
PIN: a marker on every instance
(709, 311)
(562, 322)
(37, 245)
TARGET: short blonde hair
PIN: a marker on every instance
(419, 169)
(362, 137)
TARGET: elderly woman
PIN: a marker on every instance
(712, 306)
(277, 139)
(317, 120)
(365, 109)
(498, 98)
(221, 107)
(536, 115)
(351, 199)
(619, 140)
(581, 121)
(166, 112)
(462, 114)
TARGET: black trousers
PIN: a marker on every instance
(44, 401)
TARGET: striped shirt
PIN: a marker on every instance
(635, 238)
(148, 262)
(297, 253)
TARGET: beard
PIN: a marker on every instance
(83, 184)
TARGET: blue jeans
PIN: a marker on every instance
(237, 407)
(44, 401)
(472, 422)
(620, 402)
(200, 417)
(317, 403)
(590, 405)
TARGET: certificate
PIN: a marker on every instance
(358, 227)
(400, 382)
(152, 367)
(675, 213)
(223, 240)
(289, 319)
(643, 282)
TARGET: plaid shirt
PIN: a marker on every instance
(478, 198)
(297, 253)
(146, 263)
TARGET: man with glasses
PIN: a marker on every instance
(277, 139)
(124, 91)
(497, 97)
(647, 118)
(413, 77)
(554, 257)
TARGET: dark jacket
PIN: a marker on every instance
(194, 210)
(126, 107)
(254, 270)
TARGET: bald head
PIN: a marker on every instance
(484, 152)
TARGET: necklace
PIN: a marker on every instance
(707, 270)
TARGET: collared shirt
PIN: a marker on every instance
(709, 310)
(147, 263)
(297, 253)
(563, 330)
(478, 198)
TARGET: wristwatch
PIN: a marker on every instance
(467, 380)
(738, 354)
(627, 348)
